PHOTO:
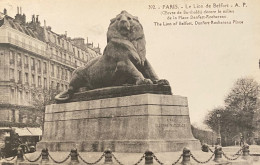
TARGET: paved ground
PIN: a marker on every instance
(166, 157)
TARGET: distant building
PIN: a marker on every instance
(33, 58)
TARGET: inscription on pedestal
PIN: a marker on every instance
(170, 125)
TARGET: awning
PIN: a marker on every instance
(5, 128)
(28, 131)
(35, 131)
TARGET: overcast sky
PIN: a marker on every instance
(201, 62)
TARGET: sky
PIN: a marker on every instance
(200, 62)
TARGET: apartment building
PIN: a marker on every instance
(33, 58)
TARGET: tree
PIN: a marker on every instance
(40, 101)
(226, 121)
(237, 115)
(243, 101)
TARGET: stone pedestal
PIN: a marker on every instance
(135, 123)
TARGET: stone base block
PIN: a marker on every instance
(133, 123)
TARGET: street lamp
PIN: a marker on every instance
(219, 136)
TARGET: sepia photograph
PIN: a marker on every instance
(129, 82)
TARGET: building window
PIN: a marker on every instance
(58, 72)
(66, 74)
(52, 70)
(11, 74)
(32, 64)
(26, 78)
(39, 66)
(12, 96)
(20, 97)
(58, 86)
(39, 81)
(62, 74)
(62, 86)
(19, 59)
(45, 83)
(26, 61)
(66, 87)
(33, 79)
(52, 84)
(70, 74)
(12, 56)
(27, 96)
(44, 67)
(20, 77)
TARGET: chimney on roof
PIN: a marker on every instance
(19, 17)
(33, 18)
(37, 20)
(78, 41)
(66, 33)
(5, 11)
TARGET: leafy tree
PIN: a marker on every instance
(237, 115)
(40, 101)
(243, 101)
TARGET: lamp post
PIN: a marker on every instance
(212, 138)
(219, 136)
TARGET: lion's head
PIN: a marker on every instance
(125, 26)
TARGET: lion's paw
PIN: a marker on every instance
(144, 81)
(63, 96)
(162, 82)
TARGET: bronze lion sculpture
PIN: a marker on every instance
(123, 60)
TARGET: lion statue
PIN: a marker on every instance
(123, 60)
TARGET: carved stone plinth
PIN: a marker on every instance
(136, 123)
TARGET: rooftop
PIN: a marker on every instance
(34, 29)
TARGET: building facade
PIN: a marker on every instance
(33, 59)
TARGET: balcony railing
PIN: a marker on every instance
(62, 60)
(5, 39)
